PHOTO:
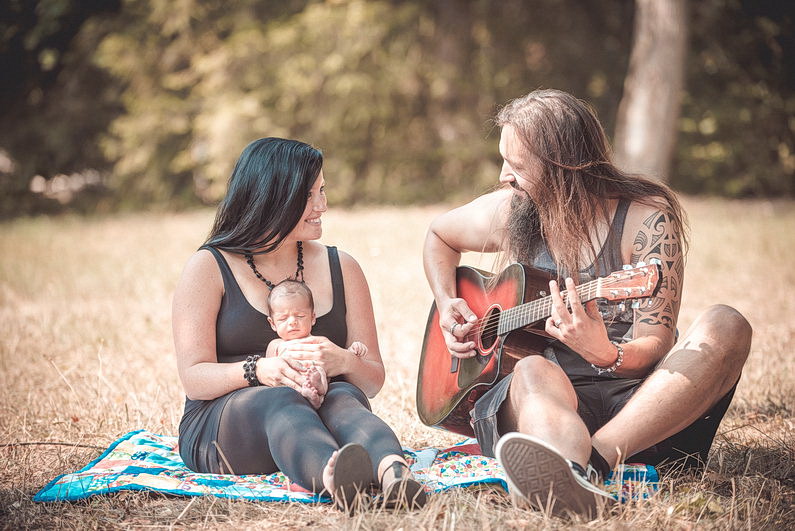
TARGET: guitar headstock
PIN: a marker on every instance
(637, 282)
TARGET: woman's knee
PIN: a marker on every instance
(259, 399)
(345, 392)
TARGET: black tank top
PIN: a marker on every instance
(619, 322)
(241, 329)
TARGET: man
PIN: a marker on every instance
(614, 385)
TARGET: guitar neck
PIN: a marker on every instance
(533, 311)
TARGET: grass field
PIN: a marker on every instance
(86, 356)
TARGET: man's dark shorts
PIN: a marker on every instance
(598, 402)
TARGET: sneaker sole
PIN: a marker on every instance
(539, 475)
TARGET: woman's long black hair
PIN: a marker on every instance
(266, 195)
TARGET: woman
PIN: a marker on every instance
(244, 413)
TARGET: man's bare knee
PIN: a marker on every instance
(535, 375)
(722, 335)
(728, 317)
(731, 327)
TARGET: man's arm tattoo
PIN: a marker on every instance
(657, 239)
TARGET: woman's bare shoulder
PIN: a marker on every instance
(349, 263)
(202, 267)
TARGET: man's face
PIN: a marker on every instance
(518, 172)
(291, 316)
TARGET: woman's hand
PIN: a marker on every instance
(319, 350)
(582, 328)
(456, 319)
(277, 372)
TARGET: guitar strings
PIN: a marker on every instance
(539, 303)
(523, 311)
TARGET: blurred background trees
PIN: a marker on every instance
(142, 103)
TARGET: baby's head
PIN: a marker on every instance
(291, 309)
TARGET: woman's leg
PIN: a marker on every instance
(346, 413)
(264, 429)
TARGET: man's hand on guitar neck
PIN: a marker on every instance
(456, 321)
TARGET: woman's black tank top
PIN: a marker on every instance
(241, 329)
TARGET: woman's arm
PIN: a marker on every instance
(195, 306)
(366, 372)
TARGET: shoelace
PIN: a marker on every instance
(591, 474)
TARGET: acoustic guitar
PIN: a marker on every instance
(511, 310)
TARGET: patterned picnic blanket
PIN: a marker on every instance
(141, 460)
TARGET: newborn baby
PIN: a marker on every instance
(291, 311)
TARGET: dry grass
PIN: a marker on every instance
(86, 356)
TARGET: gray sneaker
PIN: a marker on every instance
(539, 475)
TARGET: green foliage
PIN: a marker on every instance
(397, 93)
(738, 126)
(54, 100)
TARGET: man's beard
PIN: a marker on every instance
(524, 229)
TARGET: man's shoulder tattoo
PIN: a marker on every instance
(657, 239)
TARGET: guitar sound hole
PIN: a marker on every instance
(489, 332)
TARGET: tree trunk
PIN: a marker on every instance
(648, 114)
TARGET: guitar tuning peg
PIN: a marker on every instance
(641, 264)
(622, 307)
(655, 261)
(635, 305)
(626, 266)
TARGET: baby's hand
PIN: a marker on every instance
(358, 348)
(315, 385)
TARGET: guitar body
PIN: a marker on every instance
(448, 387)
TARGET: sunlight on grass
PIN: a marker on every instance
(86, 355)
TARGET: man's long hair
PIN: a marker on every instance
(569, 199)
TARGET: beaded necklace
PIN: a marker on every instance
(298, 271)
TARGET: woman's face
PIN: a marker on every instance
(310, 226)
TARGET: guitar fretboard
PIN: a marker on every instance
(530, 312)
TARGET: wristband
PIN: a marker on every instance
(250, 370)
(615, 365)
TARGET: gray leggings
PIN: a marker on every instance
(265, 429)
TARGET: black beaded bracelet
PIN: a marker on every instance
(250, 370)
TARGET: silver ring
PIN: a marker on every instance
(557, 323)
(452, 328)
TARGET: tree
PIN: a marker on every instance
(648, 115)
(55, 101)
